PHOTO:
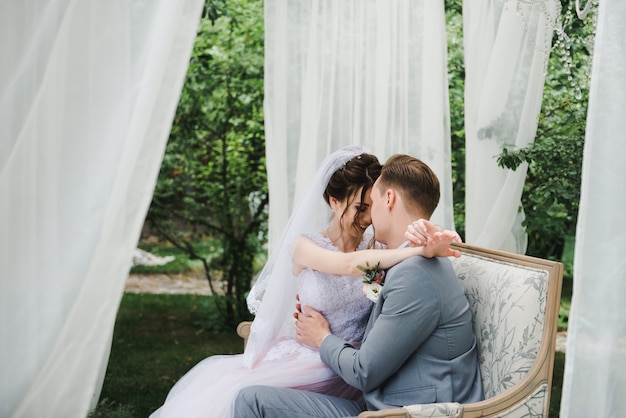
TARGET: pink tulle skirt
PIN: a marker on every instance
(209, 388)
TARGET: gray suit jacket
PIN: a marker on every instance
(419, 346)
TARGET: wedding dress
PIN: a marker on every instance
(209, 389)
(272, 356)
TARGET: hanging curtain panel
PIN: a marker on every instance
(369, 72)
(594, 383)
(88, 90)
(507, 44)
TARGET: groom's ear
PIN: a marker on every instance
(391, 198)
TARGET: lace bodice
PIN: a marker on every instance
(339, 298)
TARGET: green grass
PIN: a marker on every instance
(157, 339)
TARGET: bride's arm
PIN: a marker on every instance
(308, 254)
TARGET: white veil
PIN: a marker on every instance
(272, 298)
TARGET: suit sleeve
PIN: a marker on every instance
(410, 313)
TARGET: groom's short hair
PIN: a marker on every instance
(414, 180)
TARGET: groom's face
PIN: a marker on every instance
(379, 212)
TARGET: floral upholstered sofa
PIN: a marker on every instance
(515, 302)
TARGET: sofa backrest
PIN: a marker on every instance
(508, 303)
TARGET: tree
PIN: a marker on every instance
(212, 182)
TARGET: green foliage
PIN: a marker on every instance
(564, 309)
(372, 274)
(552, 189)
(157, 339)
(456, 85)
(214, 9)
(212, 182)
(568, 283)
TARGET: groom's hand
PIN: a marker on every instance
(311, 327)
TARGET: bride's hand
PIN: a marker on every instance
(418, 232)
(436, 243)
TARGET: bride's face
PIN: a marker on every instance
(356, 214)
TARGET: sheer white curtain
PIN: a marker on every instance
(507, 43)
(370, 72)
(595, 368)
(88, 90)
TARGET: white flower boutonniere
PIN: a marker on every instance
(374, 279)
(372, 290)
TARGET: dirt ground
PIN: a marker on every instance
(163, 283)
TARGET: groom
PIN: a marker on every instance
(419, 346)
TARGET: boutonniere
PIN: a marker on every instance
(374, 279)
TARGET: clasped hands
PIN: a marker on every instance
(436, 242)
(311, 326)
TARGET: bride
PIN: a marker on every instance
(321, 264)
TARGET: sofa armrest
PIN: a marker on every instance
(386, 413)
(243, 330)
(431, 410)
(436, 410)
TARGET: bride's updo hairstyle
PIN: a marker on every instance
(360, 172)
